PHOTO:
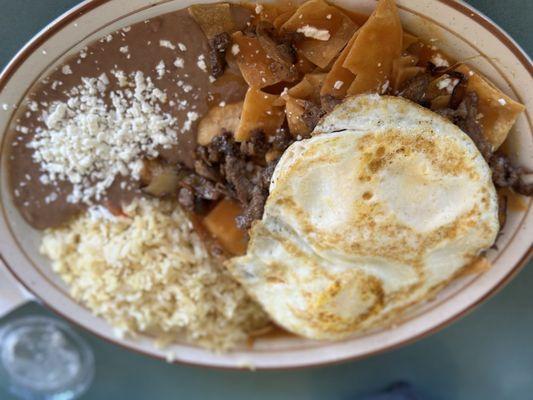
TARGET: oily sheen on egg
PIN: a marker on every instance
(385, 204)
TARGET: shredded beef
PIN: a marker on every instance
(218, 46)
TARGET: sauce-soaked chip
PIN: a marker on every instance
(317, 16)
(259, 113)
(378, 43)
(498, 111)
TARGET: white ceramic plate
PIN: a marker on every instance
(460, 30)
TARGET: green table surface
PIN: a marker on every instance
(486, 355)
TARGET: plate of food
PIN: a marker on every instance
(266, 185)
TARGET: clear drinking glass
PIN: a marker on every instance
(44, 359)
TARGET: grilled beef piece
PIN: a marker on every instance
(218, 46)
(312, 114)
(225, 168)
(504, 174)
(329, 102)
(416, 88)
(256, 146)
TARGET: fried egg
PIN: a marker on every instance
(380, 208)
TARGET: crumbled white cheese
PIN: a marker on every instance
(167, 44)
(191, 117)
(502, 101)
(124, 49)
(182, 47)
(447, 83)
(439, 61)
(160, 69)
(328, 16)
(201, 63)
(337, 85)
(259, 8)
(314, 33)
(126, 29)
(222, 104)
(66, 70)
(100, 134)
(179, 62)
(235, 49)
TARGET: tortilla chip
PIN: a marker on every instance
(218, 120)
(303, 65)
(377, 45)
(499, 111)
(294, 109)
(441, 101)
(213, 18)
(259, 113)
(259, 63)
(309, 87)
(320, 15)
(282, 18)
(402, 70)
(220, 223)
(339, 79)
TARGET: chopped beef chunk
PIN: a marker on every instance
(504, 174)
(253, 209)
(329, 102)
(267, 173)
(203, 169)
(256, 146)
(312, 114)
(281, 140)
(467, 120)
(225, 168)
(235, 173)
(416, 88)
(202, 187)
(217, 54)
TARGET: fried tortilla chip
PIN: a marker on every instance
(259, 113)
(217, 120)
(316, 16)
(260, 63)
(499, 112)
(294, 110)
(213, 18)
(339, 79)
(441, 101)
(403, 68)
(282, 18)
(377, 45)
(309, 87)
(220, 223)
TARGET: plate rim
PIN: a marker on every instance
(90, 5)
